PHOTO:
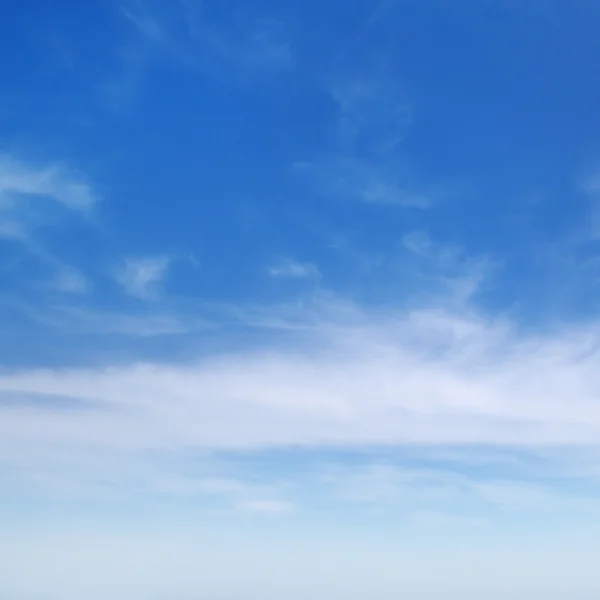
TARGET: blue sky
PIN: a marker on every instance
(299, 299)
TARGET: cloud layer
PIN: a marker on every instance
(424, 377)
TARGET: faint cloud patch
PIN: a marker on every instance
(142, 277)
(70, 281)
(140, 325)
(241, 42)
(292, 269)
(447, 268)
(234, 46)
(374, 114)
(373, 182)
(51, 182)
(33, 197)
(365, 162)
(144, 22)
(46, 402)
(73, 320)
(424, 492)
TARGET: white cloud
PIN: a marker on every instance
(54, 183)
(424, 377)
(289, 268)
(332, 375)
(141, 277)
(27, 190)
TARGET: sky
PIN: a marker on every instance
(299, 299)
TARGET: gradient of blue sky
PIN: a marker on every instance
(299, 298)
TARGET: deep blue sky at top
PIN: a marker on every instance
(196, 149)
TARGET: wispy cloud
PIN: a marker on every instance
(142, 277)
(238, 48)
(213, 483)
(30, 195)
(69, 280)
(68, 320)
(244, 45)
(289, 268)
(373, 181)
(144, 22)
(374, 112)
(419, 489)
(428, 376)
(54, 182)
(447, 268)
(365, 164)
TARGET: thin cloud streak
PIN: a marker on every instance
(292, 269)
(355, 179)
(29, 195)
(237, 48)
(53, 182)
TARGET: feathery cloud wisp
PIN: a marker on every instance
(141, 277)
(53, 182)
(28, 196)
(25, 189)
(371, 181)
(240, 46)
(293, 269)
(364, 164)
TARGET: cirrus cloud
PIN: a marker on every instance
(429, 376)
